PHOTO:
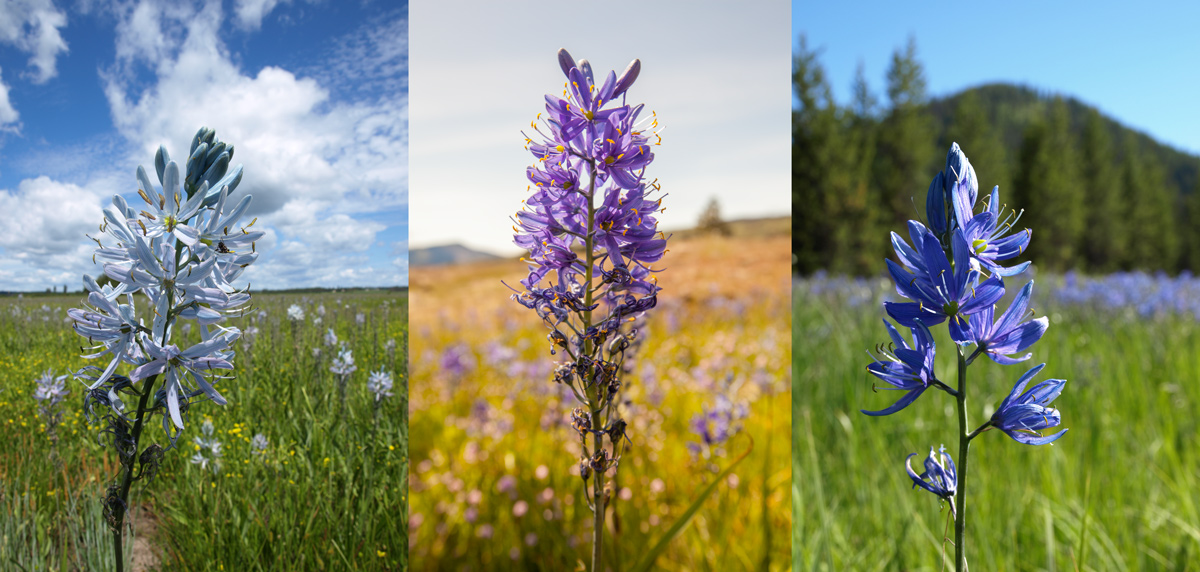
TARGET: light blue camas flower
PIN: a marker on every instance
(380, 384)
(181, 251)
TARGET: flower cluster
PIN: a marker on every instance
(182, 251)
(592, 237)
(50, 392)
(208, 449)
(380, 384)
(954, 272)
(716, 424)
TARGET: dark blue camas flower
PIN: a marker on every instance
(909, 368)
(939, 290)
(958, 178)
(985, 232)
(1023, 416)
(1008, 335)
(939, 478)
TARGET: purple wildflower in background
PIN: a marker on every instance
(208, 449)
(457, 360)
(50, 392)
(717, 424)
(592, 236)
(1023, 416)
(940, 477)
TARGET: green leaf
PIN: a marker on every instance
(647, 561)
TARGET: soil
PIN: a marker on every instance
(144, 555)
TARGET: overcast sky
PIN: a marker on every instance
(1136, 62)
(312, 94)
(717, 73)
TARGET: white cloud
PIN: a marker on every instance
(42, 234)
(295, 142)
(316, 160)
(32, 26)
(45, 217)
(8, 115)
(250, 13)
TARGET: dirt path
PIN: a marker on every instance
(144, 555)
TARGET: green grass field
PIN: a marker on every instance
(330, 492)
(1117, 492)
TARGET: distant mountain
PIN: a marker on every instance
(1012, 108)
(447, 255)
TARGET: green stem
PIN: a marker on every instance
(964, 443)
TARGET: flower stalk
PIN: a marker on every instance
(952, 273)
(182, 253)
(592, 237)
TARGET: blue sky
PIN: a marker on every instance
(1136, 62)
(717, 73)
(313, 94)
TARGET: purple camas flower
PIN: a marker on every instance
(1023, 416)
(592, 236)
(717, 424)
(985, 231)
(940, 477)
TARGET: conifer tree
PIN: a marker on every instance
(980, 140)
(905, 153)
(1048, 184)
(1105, 235)
(814, 127)
(1190, 237)
(855, 204)
(1163, 210)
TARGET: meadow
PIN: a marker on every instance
(1118, 492)
(495, 482)
(326, 490)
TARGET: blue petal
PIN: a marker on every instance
(901, 404)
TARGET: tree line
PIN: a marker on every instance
(1100, 197)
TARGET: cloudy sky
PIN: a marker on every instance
(1137, 63)
(717, 74)
(313, 94)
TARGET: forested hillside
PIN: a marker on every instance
(1103, 197)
